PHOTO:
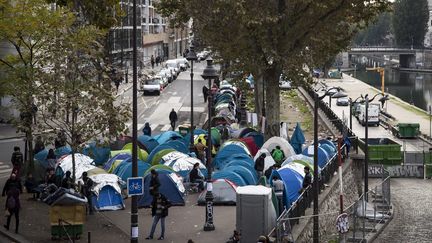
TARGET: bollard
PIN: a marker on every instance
(424, 172)
(89, 237)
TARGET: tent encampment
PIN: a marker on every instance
(125, 171)
(167, 136)
(268, 161)
(83, 163)
(99, 154)
(323, 157)
(184, 165)
(250, 143)
(230, 175)
(106, 192)
(224, 193)
(148, 142)
(226, 153)
(248, 176)
(292, 183)
(171, 187)
(118, 157)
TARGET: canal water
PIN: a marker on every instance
(414, 88)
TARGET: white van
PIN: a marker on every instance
(373, 114)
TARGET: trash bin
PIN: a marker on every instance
(408, 130)
(67, 221)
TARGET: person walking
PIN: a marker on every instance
(152, 61)
(205, 92)
(86, 187)
(158, 60)
(12, 190)
(147, 129)
(259, 164)
(173, 118)
(17, 160)
(154, 183)
(160, 205)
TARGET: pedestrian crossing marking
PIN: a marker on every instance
(166, 128)
(4, 166)
(174, 100)
(196, 109)
(153, 126)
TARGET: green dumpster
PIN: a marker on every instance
(383, 151)
(408, 130)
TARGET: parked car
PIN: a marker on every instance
(284, 83)
(167, 74)
(173, 64)
(344, 101)
(162, 80)
(152, 85)
(203, 55)
(183, 63)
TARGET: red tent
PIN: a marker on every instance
(250, 143)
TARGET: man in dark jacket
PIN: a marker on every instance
(307, 180)
(67, 182)
(173, 118)
(12, 189)
(86, 190)
(147, 129)
(205, 92)
(17, 160)
(196, 177)
(259, 164)
(154, 183)
(160, 207)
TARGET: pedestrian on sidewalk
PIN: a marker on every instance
(86, 187)
(173, 118)
(17, 160)
(307, 180)
(160, 205)
(158, 60)
(12, 189)
(154, 183)
(259, 164)
(205, 92)
(147, 129)
(152, 61)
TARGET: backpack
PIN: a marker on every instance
(11, 203)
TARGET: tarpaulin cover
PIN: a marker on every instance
(171, 187)
(99, 154)
(120, 156)
(297, 139)
(184, 165)
(173, 156)
(323, 157)
(101, 180)
(225, 153)
(83, 163)
(224, 193)
(230, 175)
(148, 142)
(282, 143)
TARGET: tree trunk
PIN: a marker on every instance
(30, 162)
(259, 95)
(272, 101)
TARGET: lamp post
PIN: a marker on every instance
(191, 56)
(209, 73)
(350, 110)
(366, 152)
(134, 203)
(315, 184)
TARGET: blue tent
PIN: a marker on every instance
(108, 199)
(301, 157)
(248, 176)
(158, 149)
(168, 135)
(178, 145)
(59, 152)
(121, 165)
(125, 171)
(323, 157)
(41, 157)
(148, 142)
(121, 156)
(99, 155)
(231, 176)
(224, 155)
(168, 188)
(326, 141)
(331, 151)
(292, 184)
(297, 139)
(241, 162)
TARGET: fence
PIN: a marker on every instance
(290, 216)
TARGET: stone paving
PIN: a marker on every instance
(412, 202)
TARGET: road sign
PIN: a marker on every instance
(135, 186)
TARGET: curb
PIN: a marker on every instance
(11, 137)
(13, 237)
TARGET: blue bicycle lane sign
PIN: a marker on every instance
(135, 186)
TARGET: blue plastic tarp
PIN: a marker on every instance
(99, 154)
(297, 139)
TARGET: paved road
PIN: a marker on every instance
(354, 88)
(412, 200)
(6, 149)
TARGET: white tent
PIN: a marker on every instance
(83, 163)
(268, 161)
(282, 143)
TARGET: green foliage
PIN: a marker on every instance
(376, 33)
(410, 22)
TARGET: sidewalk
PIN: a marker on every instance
(35, 225)
(401, 110)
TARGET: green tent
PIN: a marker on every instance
(158, 156)
(304, 163)
(158, 167)
(142, 154)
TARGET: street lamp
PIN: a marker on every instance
(366, 152)
(315, 185)
(209, 73)
(191, 56)
(350, 110)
